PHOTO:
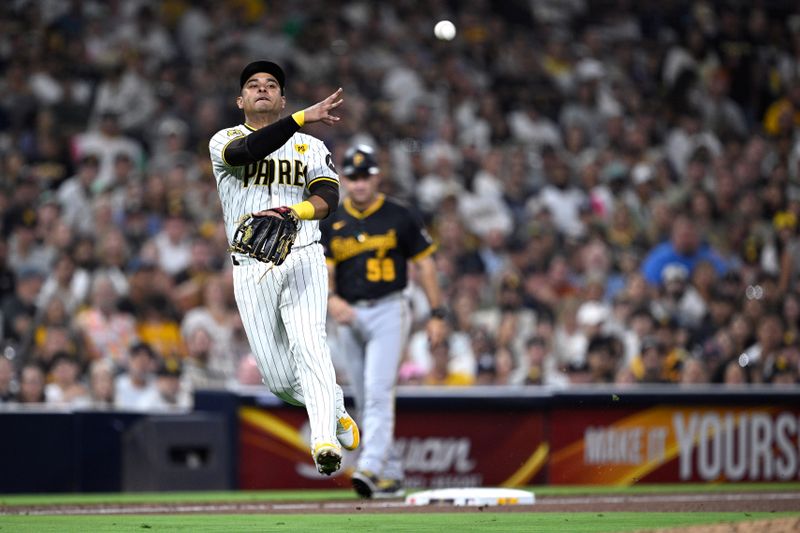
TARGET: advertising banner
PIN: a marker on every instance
(674, 444)
(440, 447)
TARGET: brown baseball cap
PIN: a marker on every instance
(262, 66)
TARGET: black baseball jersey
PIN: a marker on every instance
(371, 249)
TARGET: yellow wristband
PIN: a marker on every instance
(299, 117)
(305, 210)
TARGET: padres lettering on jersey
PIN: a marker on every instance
(282, 178)
(371, 249)
(271, 172)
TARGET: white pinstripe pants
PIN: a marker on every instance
(284, 314)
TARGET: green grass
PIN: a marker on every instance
(312, 495)
(160, 497)
(465, 522)
(321, 495)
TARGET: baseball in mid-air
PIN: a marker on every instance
(444, 30)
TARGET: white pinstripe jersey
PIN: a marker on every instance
(281, 178)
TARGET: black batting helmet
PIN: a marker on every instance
(359, 159)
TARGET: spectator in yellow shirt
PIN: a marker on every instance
(440, 373)
(159, 328)
(783, 115)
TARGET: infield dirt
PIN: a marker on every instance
(743, 502)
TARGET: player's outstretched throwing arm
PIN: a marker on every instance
(261, 143)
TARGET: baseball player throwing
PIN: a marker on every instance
(266, 163)
(368, 244)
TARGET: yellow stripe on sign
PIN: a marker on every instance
(529, 469)
(272, 425)
(631, 477)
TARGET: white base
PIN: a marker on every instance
(472, 496)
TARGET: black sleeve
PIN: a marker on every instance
(416, 236)
(260, 143)
(329, 192)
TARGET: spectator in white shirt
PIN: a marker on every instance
(107, 142)
(65, 389)
(136, 389)
(75, 195)
(173, 243)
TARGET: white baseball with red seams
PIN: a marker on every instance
(284, 307)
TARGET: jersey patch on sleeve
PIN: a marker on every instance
(329, 162)
(234, 133)
(301, 148)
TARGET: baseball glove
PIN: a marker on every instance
(268, 237)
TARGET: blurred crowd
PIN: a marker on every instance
(614, 186)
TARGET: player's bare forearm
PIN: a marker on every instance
(428, 281)
(436, 327)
